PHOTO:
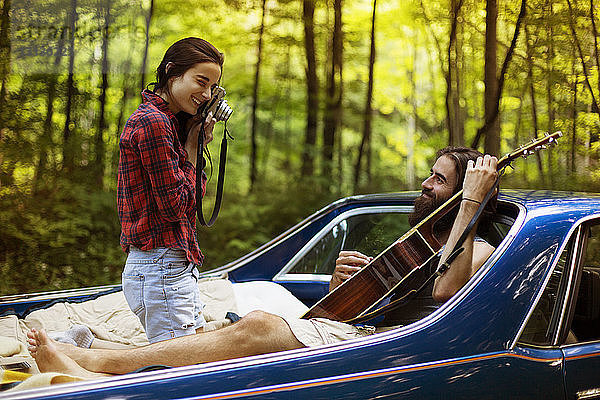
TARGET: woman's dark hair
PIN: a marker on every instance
(461, 156)
(183, 55)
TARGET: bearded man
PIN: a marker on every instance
(260, 332)
(446, 179)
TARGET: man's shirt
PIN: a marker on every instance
(156, 189)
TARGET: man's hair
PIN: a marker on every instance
(461, 156)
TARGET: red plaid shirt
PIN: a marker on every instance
(156, 184)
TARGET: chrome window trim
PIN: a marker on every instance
(305, 278)
(283, 276)
(561, 248)
(575, 259)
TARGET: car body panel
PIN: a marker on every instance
(468, 348)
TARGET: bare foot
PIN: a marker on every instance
(50, 359)
(71, 351)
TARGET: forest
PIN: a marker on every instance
(331, 98)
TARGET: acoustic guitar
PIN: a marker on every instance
(410, 258)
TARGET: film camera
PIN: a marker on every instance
(218, 105)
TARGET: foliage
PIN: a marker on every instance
(62, 237)
(59, 222)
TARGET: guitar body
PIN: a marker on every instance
(405, 265)
(384, 274)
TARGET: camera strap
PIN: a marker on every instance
(220, 180)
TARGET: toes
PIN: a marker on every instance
(41, 336)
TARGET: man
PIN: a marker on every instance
(260, 332)
(446, 179)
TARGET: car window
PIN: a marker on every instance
(585, 325)
(369, 234)
(542, 324)
(583, 322)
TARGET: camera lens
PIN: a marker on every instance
(223, 111)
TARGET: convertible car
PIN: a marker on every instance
(527, 325)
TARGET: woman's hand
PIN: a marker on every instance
(194, 127)
(347, 263)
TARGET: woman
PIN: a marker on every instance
(156, 191)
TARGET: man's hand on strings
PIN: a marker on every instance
(347, 263)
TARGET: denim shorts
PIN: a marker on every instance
(161, 288)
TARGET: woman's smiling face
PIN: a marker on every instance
(192, 89)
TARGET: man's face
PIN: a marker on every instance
(436, 189)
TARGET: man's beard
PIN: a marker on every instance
(424, 206)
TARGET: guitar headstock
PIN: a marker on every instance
(525, 150)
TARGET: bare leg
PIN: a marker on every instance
(107, 344)
(256, 333)
(50, 359)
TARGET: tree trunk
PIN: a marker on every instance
(365, 143)
(530, 80)
(312, 89)
(253, 145)
(334, 93)
(492, 117)
(574, 119)
(127, 91)
(146, 45)
(4, 69)
(549, 85)
(99, 163)
(492, 134)
(4, 58)
(451, 77)
(582, 57)
(459, 127)
(7, 176)
(46, 138)
(412, 125)
(68, 151)
(595, 35)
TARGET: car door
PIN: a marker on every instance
(565, 323)
(581, 334)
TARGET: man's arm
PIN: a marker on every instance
(479, 179)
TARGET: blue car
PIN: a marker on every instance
(527, 325)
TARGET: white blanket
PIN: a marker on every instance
(109, 317)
